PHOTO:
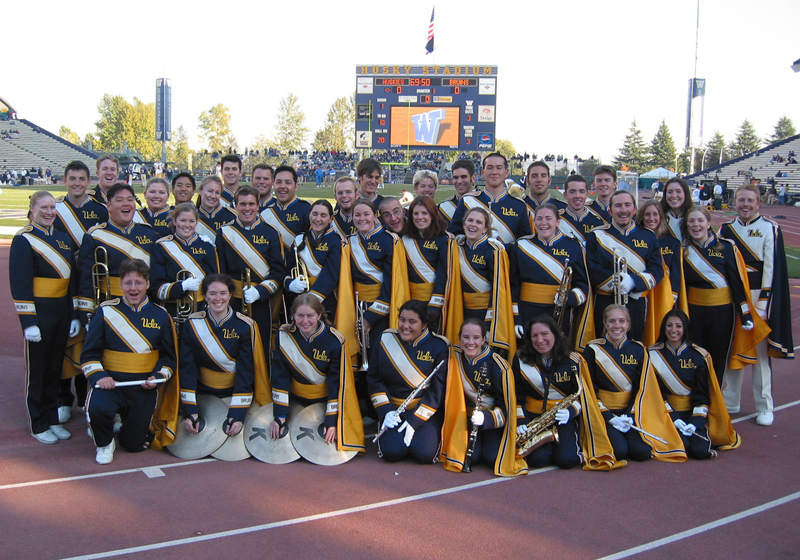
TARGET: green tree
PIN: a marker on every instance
(717, 152)
(746, 140)
(69, 135)
(290, 130)
(586, 167)
(90, 142)
(178, 149)
(662, 148)
(126, 124)
(506, 148)
(633, 153)
(215, 127)
(783, 129)
(338, 130)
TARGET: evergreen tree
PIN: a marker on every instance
(716, 148)
(662, 148)
(633, 153)
(784, 129)
(746, 139)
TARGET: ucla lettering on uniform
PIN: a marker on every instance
(478, 259)
(292, 218)
(424, 356)
(142, 240)
(322, 246)
(430, 245)
(562, 376)
(753, 233)
(160, 223)
(666, 250)
(714, 254)
(260, 240)
(629, 360)
(90, 215)
(374, 246)
(640, 243)
(321, 356)
(198, 251)
(688, 364)
(62, 245)
(560, 253)
(509, 212)
(150, 324)
(230, 333)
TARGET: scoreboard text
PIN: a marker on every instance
(426, 107)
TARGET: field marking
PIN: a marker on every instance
(298, 520)
(702, 528)
(776, 409)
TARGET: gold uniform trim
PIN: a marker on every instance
(50, 287)
(710, 297)
(217, 379)
(129, 362)
(479, 300)
(422, 291)
(309, 392)
(614, 400)
(368, 292)
(681, 403)
(538, 293)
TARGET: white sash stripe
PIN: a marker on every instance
(287, 235)
(499, 225)
(182, 258)
(705, 269)
(246, 251)
(212, 345)
(448, 208)
(49, 254)
(203, 229)
(547, 261)
(121, 244)
(612, 369)
(470, 276)
(71, 221)
(313, 267)
(667, 375)
(402, 362)
(127, 332)
(299, 360)
(138, 218)
(416, 259)
(362, 261)
(635, 262)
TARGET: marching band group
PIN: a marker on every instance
(499, 327)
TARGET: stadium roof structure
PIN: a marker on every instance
(5, 106)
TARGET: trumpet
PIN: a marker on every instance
(186, 304)
(100, 277)
(299, 271)
(247, 309)
(363, 339)
(562, 294)
(620, 268)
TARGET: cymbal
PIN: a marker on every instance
(234, 449)
(213, 414)
(260, 445)
(306, 430)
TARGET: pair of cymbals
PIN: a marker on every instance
(211, 438)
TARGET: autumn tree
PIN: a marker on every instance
(633, 153)
(69, 135)
(338, 130)
(215, 128)
(123, 124)
(290, 130)
(178, 149)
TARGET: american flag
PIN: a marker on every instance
(429, 46)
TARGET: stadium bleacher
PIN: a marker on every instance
(24, 145)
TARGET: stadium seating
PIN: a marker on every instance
(24, 145)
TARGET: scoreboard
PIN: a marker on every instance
(426, 107)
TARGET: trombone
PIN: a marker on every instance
(101, 285)
(562, 294)
(247, 309)
(620, 268)
(187, 304)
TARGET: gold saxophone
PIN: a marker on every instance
(543, 429)
(562, 294)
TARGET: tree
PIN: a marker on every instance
(746, 139)
(69, 135)
(337, 133)
(586, 167)
(717, 152)
(178, 149)
(290, 130)
(662, 148)
(215, 127)
(784, 129)
(124, 124)
(633, 153)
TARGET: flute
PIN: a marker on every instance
(133, 383)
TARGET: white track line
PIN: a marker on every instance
(703, 528)
(297, 520)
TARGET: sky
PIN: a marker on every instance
(572, 75)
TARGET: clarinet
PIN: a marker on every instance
(473, 434)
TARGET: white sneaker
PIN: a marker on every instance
(46, 436)
(64, 414)
(105, 454)
(764, 418)
(60, 432)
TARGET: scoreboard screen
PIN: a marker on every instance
(419, 107)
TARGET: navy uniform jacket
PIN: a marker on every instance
(682, 376)
(210, 223)
(398, 367)
(511, 217)
(308, 368)
(122, 243)
(672, 253)
(375, 199)
(533, 204)
(579, 226)
(617, 371)
(640, 248)
(599, 208)
(372, 270)
(257, 248)
(129, 343)
(290, 220)
(447, 208)
(159, 221)
(343, 224)
(227, 196)
(428, 268)
(323, 257)
(266, 203)
(540, 388)
(709, 268)
(494, 407)
(217, 358)
(172, 254)
(97, 195)
(77, 220)
(41, 264)
(477, 264)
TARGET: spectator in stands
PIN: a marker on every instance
(318, 175)
(772, 195)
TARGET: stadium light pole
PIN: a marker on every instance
(796, 65)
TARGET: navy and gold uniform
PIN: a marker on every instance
(429, 266)
(77, 220)
(640, 248)
(290, 220)
(597, 206)
(159, 220)
(121, 243)
(625, 384)
(228, 196)
(322, 256)
(41, 264)
(691, 393)
(447, 208)
(172, 254)
(579, 226)
(671, 252)
(127, 343)
(533, 203)
(395, 370)
(674, 223)
(512, 218)
(495, 443)
(257, 247)
(317, 369)
(209, 223)
(375, 199)
(343, 224)
(98, 195)
(537, 268)
(265, 203)
(224, 359)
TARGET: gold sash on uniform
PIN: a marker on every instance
(422, 291)
(538, 293)
(535, 405)
(217, 379)
(614, 400)
(129, 362)
(681, 403)
(368, 292)
(50, 287)
(708, 297)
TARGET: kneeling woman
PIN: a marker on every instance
(548, 376)
(690, 388)
(628, 393)
(403, 359)
(477, 373)
(221, 355)
(311, 366)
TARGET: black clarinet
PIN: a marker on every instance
(473, 434)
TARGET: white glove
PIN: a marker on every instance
(620, 423)
(409, 433)
(522, 428)
(391, 420)
(627, 284)
(477, 418)
(689, 429)
(190, 284)
(748, 326)
(298, 286)
(33, 334)
(74, 328)
(519, 330)
(251, 295)
(204, 237)
(680, 425)
(562, 416)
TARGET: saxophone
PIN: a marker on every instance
(543, 430)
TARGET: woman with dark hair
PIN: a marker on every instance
(675, 203)
(311, 365)
(401, 361)
(690, 388)
(429, 250)
(320, 251)
(221, 354)
(546, 372)
(476, 373)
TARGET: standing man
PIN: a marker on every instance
(538, 181)
(642, 253)
(231, 175)
(345, 191)
(107, 175)
(511, 217)
(577, 219)
(464, 182)
(369, 178)
(183, 187)
(605, 184)
(761, 243)
(262, 181)
(289, 214)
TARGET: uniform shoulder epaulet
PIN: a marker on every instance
(604, 226)
(161, 307)
(97, 226)
(500, 360)
(528, 237)
(703, 352)
(497, 243)
(598, 341)
(287, 327)
(390, 331)
(638, 342)
(341, 237)
(575, 357)
(472, 193)
(441, 337)
(449, 235)
(198, 315)
(145, 223)
(114, 301)
(61, 198)
(339, 336)
(26, 229)
(656, 346)
(165, 239)
(395, 237)
(245, 318)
